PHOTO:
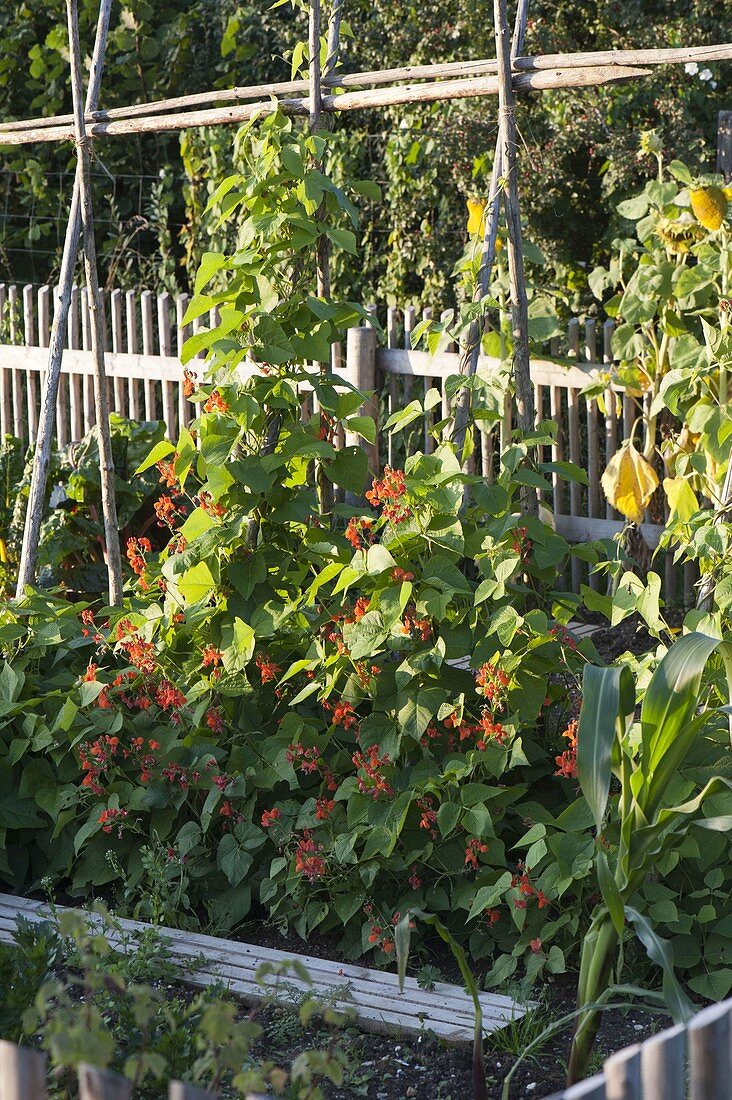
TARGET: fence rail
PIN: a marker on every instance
(689, 1062)
(145, 335)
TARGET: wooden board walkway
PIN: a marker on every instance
(372, 996)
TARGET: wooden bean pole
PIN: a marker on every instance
(374, 78)
(435, 91)
(42, 454)
(101, 405)
(519, 303)
(469, 365)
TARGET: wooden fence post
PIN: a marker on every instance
(361, 373)
(102, 1084)
(22, 1073)
(709, 1053)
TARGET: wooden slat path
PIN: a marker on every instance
(372, 995)
(686, 1062)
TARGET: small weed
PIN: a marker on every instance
(520, 1031)
(428, 976)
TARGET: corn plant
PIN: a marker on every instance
(645, 758)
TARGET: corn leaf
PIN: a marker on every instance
(608, 696)
(610, 893)
(668, 707)
(659, 952)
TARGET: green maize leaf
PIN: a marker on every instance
(671, 696)
(659, 952)
(671, 819)
(667, 766)
(608, 696)
(610, 893)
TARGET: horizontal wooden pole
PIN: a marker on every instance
(480, 67)
(350, 101)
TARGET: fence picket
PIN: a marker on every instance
(165, 340)
(710, 1074)
(181, 1090)
(182, 333)
(102, 1084)
(115, 309)
(75, 382)
(429, 443)
(133, 347)
(446, 404)
(148, 349)
(663, 1065)
(6, 399)
(623, 1074)
(410, 315)
(31, 380)
(19, 426)
(22, 1073)
(87, 383)
(392, 320)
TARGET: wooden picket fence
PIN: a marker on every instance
(23, 1077)
(145, 335)
(686, 1062)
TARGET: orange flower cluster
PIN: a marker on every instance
(399, 574)
(216, 403)
(359, 610)
(342, 713)
(269, 817)
(167, 473)
(493, 682)
(169, 697)
(214, 721)
(428, 820)
(139, 652)
(211, 656)
(474, 849)
(564, 637)
(268, 670)
(526, 889)
(109, 818)
(372, 782)
(359, 532)
(136, 548)
(324, 808)
(387, 494)
(521, 544)
(308, 861)
(167, 511)
(412, 625)
(190, 382)
(95, 757)
(209, 506)
(567, 761)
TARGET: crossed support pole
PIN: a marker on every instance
(81, 218)
(504, 183)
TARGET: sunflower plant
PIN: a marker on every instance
(663, 285)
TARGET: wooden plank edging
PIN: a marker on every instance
(373, 996)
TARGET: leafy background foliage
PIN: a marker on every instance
(582, 147)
